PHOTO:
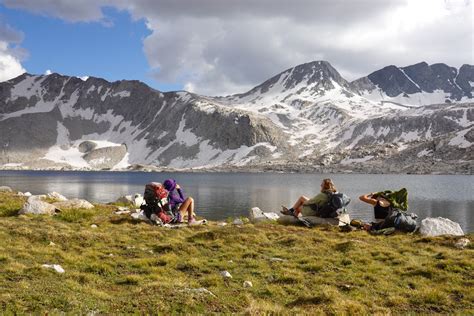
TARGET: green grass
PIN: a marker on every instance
(127, 267)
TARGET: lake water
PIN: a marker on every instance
(223, 195)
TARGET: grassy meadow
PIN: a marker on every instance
(123, 266)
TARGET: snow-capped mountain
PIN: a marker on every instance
(418, 84)
(420, 115)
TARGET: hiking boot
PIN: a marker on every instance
(286, 211)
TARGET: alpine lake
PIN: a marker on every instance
(220, 196)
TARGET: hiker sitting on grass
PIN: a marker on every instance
(315, 205)
(390, 210)
(178, 202)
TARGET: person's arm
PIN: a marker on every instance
(368, 198)
(319, 199)
(181, 198)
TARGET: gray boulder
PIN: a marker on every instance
(86, 146)
(5, 189)
(34, 205)
(74, 203)
(125, 199)
(440, 226)
(56, 196)
(106, 157)
(341, 220)
(257, 215)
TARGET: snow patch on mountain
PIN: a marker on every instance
(460, 140)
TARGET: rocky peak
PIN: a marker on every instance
(320, 74)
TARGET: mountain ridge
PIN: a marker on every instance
(308, 113)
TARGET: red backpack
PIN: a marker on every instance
(156, 199)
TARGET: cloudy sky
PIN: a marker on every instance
(219, 47)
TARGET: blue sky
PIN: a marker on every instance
(112, 50)
(219, 47)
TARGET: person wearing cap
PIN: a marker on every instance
(177, 200)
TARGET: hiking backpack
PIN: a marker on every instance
(403, 221)
(399, 219)
(336, 201)
(156, 202)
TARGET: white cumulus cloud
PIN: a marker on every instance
(219, 47)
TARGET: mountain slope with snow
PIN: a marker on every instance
(308, 114)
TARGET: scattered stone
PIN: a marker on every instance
(230, 261)
(52, 243)
(122, 210)
(248, 284)
(272, 216)
(57, 196)
(74, 203)
(125, 199)
(55, 267)
(94, 226)
(139, 216)
(111, 254)
(35, 206)
(222, 224)
(226, 275)
(440, 226)
(256, 215)
(238, 221)
(275, 259)
(341, 220)
(28, 194)
(201, 290)
(462, 243)
(5, 189)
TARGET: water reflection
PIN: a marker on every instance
(222, 195)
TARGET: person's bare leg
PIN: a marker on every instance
(299, 204)
(187, 206)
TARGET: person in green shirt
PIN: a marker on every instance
(309, 207)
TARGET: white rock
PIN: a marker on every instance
(271, 216)
(462, 243)
(440, 226)
(226, 275)
(222, 224)
(139, 216)
(201, 290)
(238, 221)
(4, 188)
(55, 267)
(74, 203)
(27, 194)
(57, 196)
(94, 226)
(52, 243)
(275, 259)
(122, 212)
(34, 205)
(256, 215)
(248, 284)
(138, 200)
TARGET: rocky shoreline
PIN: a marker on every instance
(455, 168)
